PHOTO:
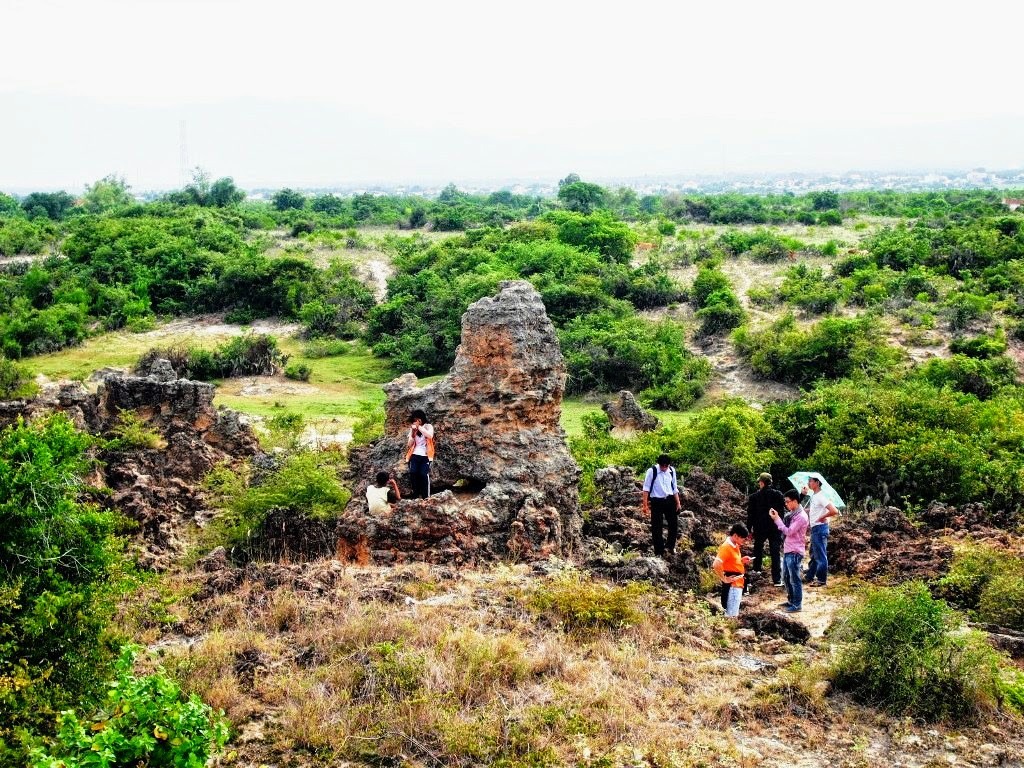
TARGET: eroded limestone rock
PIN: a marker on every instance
(627, 417)
(504, 482)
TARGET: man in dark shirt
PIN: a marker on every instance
(763, 527)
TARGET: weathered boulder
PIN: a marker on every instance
(505, 484)
(627, 417)
(158, 488)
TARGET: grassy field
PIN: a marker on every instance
(339, 390)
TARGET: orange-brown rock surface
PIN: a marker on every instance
(504, 483)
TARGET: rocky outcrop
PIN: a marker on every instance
(627, 417)
(159, 488)
(504, 482)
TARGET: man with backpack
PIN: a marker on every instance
(660, 501)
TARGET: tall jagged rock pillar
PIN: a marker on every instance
(505, 483)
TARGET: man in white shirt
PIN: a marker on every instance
(379, 496)
(660, 501)
(819, 512)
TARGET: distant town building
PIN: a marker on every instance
(1013, 203)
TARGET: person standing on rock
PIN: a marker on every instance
(729, 565)
(380, 496)
(819, 512)
(660, 501)
(795, 530)
(760, 524)
(420, 453)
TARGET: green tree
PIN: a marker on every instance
(52, 205)
(289, 199)
(329, 204)
(825, 201)
(224, 193)
(8, 205)
(581, 196)
(106, 194)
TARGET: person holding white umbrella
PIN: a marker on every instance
(821, 509)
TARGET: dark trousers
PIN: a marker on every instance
(774, 539)
(664, 511)
(419, 475)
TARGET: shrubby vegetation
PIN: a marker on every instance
(60, 563)
(905, 652)
(832, 348)
(988, 582)
(143, 721)
(249, 355)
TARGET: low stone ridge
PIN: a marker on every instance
(158, 488)
(627, 417)
(504, 482)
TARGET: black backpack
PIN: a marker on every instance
(654, 476)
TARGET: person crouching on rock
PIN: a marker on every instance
(379, 497)
(729, 566)
(660, 501)
(420, 453)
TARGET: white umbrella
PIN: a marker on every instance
(799, 480)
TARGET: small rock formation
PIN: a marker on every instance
(158, 487)
(504, 483)
(627, 417)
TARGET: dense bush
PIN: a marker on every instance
(305, 485)
(249, 355)
(982, 378)
(15, 381)
(58, 557)
(298, 371)
(830, 349)
(718, 308)
(807, 288)
(892, 439)
(905, 652)
(143, 721)
(988, 581)
(611, 350)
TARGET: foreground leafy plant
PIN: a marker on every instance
(144, 721)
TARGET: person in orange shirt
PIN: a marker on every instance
(729, 566)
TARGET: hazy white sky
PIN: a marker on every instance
(306, 93)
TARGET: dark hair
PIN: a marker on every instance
(793, 495)
(418, 414)
(664, 460)
(740, 529)
(382, 479)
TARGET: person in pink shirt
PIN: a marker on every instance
(792, 549)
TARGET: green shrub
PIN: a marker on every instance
(973, 567)
(305, 485)
(143, 721)
(130, 432)
(830, 349)
(1002, 597)
(58, 563)
(249, 355)
(983, 347)
(369, 424)
(981, 378)
(610, 351)
(577, 603)
(721, 312)
(808, 289)
(905, 652)
(298, 371)
(15, 382)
